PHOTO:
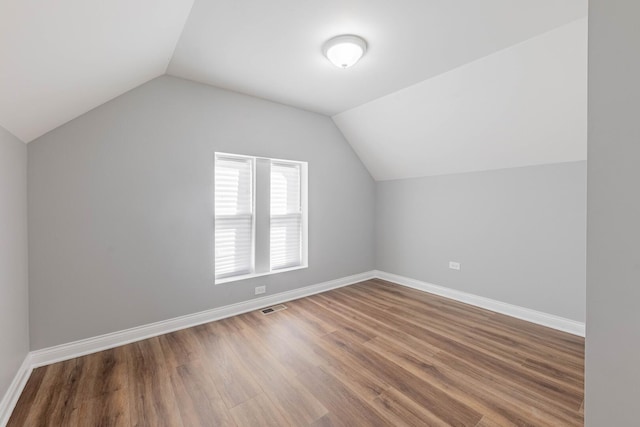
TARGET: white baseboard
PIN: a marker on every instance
(12, 395)
(533, 316)
(83, 347)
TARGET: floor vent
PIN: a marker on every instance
(273, 309)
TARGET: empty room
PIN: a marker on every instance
(339, 213)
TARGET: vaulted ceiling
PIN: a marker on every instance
(272, 49)
(423, 87)
(59, 59)
(524, 105)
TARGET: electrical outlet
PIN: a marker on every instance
(454, 265)
(261, 290)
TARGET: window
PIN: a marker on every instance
(286, 216)
(260, 216)
(234, 216)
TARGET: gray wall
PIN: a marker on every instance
(518, 233)
(613, 274)
(14, 303)
(121, 200)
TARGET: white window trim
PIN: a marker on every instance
(251, 214)
(253, 275)
(265, 208)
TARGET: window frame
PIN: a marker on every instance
(261, 208)
(251, 215)
(275, 217)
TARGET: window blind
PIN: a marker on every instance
(233, 216)
(286, 216)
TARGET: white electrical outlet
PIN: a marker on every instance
(261, 290)
(454, 265)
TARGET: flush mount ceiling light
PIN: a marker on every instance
(344, 51)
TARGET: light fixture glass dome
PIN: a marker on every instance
(344, 51)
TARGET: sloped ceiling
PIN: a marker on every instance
(444, 86)
(524, 105)
(59, 59)
(272, 49)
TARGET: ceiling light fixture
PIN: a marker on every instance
(344, 51)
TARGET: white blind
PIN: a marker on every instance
(234, 216)
(286, 216)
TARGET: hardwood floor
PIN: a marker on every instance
(371, 354)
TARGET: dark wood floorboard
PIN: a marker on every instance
(370, 354)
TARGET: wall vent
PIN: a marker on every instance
(273, 309)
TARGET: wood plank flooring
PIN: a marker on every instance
(370, 354)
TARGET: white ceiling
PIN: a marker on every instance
(272, 49)
(525, 105)
(59, 59)
(411, 107)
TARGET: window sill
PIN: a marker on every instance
(253, 275)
